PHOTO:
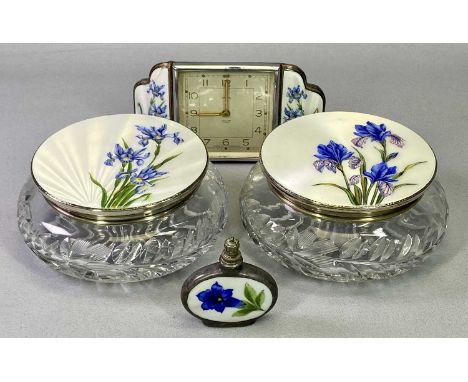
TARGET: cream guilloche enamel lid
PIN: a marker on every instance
(349, 166)
(119, 168)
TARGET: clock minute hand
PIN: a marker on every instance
(227, 88)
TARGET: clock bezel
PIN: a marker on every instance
(235, 68)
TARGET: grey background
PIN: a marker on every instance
(46, 87)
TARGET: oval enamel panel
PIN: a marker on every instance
(229, 299)
(350, 160)
(119, 162)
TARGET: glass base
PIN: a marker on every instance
(124, 252)
(338, 251)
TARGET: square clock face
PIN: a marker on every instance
(231, 108)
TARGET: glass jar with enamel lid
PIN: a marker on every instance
(345, 196)
(121, 198)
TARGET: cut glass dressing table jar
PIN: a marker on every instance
(345, 197)
(121, 198)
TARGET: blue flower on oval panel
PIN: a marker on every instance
(217, 298)
(156, 134)
(126, 156)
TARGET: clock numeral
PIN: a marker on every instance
(258, 130)
(205, 82)
(245, 142)
(226, 142)
(259, 97)
(259, 113)
(193, 112)
(206, 141)
(225, 81)
(246, 83)
(194, 129)
(192, 95)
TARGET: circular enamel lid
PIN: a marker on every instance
(347, 165)
(119, 167)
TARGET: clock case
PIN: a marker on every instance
(287, 77)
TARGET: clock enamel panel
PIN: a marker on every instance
(232, 110)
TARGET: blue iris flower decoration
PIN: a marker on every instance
(126, 156)
(373, 131)
(156, 90)
(142, 178)
(376, 133)
(157, 134)
(381, 173)
(295, 93)
(292, 113)
(152, 133)
(158, 110)
(217, 298)
(176, 138)
(333, 152)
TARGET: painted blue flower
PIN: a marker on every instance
(158, 110)
(110, 159)
(156, 90)
(334, 152)
(376, 133)
(372, 130)
(295, 93)
(157, 134)
(152, 133)
(142, 178)
(176, 138)
(290, 113)
(126, 156)
(217, 298)
(332, 155)
(381, 173)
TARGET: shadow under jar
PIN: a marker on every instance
(345, 197)
(121, 198)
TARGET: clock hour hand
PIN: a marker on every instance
(210, 114)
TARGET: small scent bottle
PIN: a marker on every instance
(230, 292)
